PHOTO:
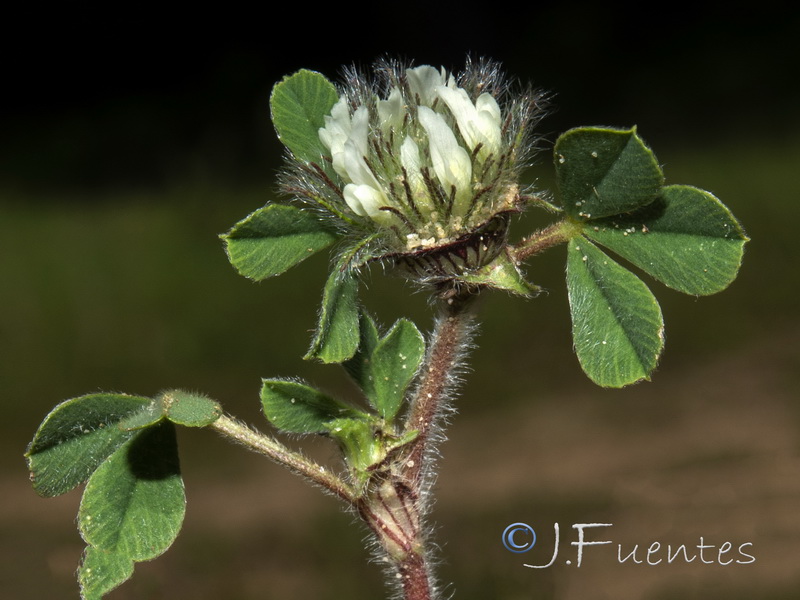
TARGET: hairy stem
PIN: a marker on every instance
(556, 234)
(274, 450)
(394, 507)
(437, 379)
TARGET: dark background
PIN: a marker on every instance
(136, 99)
(130, 139)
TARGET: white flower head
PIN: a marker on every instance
(425, 156)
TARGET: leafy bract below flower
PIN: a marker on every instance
(421, 162)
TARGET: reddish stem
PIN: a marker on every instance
(448, 341)
(415, 578)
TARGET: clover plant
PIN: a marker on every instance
(418, 170)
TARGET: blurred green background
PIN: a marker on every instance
(131, 140)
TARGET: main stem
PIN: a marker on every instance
(395, 508)
(437, 380)
(394, 505)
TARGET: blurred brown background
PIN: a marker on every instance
(130, 140)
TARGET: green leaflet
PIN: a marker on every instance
(603, 172)
(101, 571)
(360, 366)
(274, 239)
(299, 408)
(617, 325)
(148, 416)
(132, 509)
(77, 436)
(337, 336)
(299, 104)
(687, 239)
(383, 367)
(394, 364)
(189, 409)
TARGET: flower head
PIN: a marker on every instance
(425, 161)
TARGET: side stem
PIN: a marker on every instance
(557, 233)
(274, 450)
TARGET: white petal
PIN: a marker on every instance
(410, 159)
(360, 129)
(423, 82)
(487, 103)
(336, 132)
(463, 110)
(477, 124)
(451, 162)
(364, 200)
(356, 169)
(489, 121)
(337, 125)
(355, 149)
(391, 111)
